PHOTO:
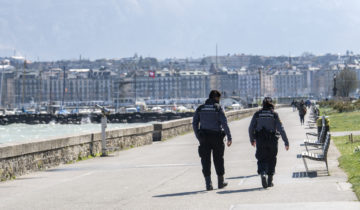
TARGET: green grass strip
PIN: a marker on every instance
(346, 121)
(350, 160)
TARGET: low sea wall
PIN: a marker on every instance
(20, 158)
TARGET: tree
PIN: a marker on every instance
(346, 82)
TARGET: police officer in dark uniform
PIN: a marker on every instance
(264, 132)
(211, 132)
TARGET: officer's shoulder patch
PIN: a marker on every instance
(217, 106)
(257, 113)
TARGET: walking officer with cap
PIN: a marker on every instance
(264, 132)
(210, 126)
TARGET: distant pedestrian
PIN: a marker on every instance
(302, 111)
(264, 132)
(293, 104)
(210, 127)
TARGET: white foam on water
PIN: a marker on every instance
(23, 132)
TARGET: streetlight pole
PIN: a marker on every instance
(334, 89)
(135, 87)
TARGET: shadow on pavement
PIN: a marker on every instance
(243, 177)
(28, 178)
(179, 194)
(64, 169)
(240, 191)
(110, 155)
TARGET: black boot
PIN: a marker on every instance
(221, 183)
(263, 180)
(270, 181)
(208, 183)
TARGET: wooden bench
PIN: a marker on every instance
(318, 157)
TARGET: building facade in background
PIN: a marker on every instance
(128, 80)
(167, 84)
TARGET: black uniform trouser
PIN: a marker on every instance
(212, 142)
(266, 152)
(302, 116)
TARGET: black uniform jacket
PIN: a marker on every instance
(269, 120)
(210, 116)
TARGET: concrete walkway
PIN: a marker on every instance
(167, 175)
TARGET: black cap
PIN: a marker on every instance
(214, 94)
(267, 102)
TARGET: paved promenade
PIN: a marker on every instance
(167, 175)
(344, 133)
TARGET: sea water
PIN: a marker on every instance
(24, 132)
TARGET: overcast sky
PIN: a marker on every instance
(54, 29)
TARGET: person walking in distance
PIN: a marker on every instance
(302, 112)
(210, 127)
(264, 132)
(293, 104)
